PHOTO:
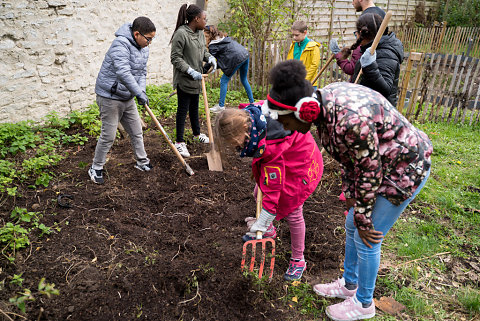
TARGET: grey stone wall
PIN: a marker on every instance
(51, 50)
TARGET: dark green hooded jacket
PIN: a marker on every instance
(188, 50)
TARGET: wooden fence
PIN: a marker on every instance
(441, 39)
(438, 87)
(434, 86)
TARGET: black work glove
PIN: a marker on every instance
(143, 99)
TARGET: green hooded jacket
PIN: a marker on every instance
(188, 50)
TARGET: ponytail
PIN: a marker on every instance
(367, 28)
(186, 14)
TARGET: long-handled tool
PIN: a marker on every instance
(169, 141)
(379, 35)
(323, 68)
(253, 244)
(214, 158)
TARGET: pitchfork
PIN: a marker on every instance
(263, 242)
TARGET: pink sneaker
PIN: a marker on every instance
(350, 309)
(295, 270)
(335, 289)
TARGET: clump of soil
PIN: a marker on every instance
(162, 245)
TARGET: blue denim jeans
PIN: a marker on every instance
(362, 263)
(243, 69)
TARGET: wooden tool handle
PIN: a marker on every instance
(207, 110)
(169, 141)
(259, 209)
(379, 35)
(323, 68)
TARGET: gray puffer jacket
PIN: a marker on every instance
(124, 70)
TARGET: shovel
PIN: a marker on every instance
(253, 244)
(169, 141)
(213, 156)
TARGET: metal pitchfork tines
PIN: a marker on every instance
(253, 244)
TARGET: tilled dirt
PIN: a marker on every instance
(163, 245)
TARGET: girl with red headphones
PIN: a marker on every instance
(287, 167)
(385, 162)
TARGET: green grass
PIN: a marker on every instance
(443, 222)
(440, 227)
(470, 299)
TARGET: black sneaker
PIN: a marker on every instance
(96, 175)
(144, 167)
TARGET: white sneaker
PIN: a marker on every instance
(182, 149)
(217, 108)
(202, 138)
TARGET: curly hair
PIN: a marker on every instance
(288, 82)
(212, 33)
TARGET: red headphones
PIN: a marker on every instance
(306, 109)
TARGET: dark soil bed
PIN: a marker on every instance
(163, 245)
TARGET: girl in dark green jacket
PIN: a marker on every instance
(187, 56)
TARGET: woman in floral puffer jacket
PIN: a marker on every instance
(385, 162)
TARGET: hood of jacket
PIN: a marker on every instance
(221, 40)
(126, 31)
(229, 54)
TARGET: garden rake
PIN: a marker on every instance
(253, 244)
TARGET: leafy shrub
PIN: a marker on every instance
(464, 13)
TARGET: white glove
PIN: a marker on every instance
(250, 221)
(213, 62)
(334, 48)
(262, 224)
(367, 58)
(194, 74)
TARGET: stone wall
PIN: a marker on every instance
(51, 50)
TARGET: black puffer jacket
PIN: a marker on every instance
(383, 74)
(229, 54)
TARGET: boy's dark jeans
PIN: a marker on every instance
(187, 103)
(111, 113)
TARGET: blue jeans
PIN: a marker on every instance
(243, 69)
(361, 263)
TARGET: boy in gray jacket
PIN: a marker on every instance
(121, 78)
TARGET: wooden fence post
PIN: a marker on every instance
(414, 56)
(413, 97)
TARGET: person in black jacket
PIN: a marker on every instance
(231, 56)
(381, 71)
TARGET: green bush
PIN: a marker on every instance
(463, 13)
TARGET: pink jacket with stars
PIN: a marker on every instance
(287, 167)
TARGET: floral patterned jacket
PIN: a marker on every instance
(380, 151)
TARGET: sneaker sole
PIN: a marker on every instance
(93, 179)
(340, 296)
(288, 278)
(138, 167)
(360, 317)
